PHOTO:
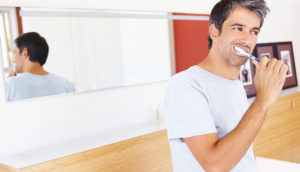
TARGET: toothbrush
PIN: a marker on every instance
(246, 54)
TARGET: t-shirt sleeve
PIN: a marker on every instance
(68, 85)
(188, 112)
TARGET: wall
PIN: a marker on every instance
(145, 50)
(190, 42)
(34, 123)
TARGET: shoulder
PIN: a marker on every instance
(12, 84)
(186, 85)
(188, 78)
(62, 81)
(15, 79)
(56, 77)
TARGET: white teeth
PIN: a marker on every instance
(240, 50)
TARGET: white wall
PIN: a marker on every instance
(145, 50)
(38, 122)
(109, 69)
(96, 65)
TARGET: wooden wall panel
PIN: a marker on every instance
(296, 128)
(274, 140)
(149, 153)
(5, 168)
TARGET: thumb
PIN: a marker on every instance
(255, 63)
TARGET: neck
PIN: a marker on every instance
(217, 65)
(35, 68)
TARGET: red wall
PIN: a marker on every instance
(191, 45)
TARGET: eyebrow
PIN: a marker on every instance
(241, 25)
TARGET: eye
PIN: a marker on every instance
(255, 32)
(240, 29)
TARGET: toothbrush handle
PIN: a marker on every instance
(254, 58)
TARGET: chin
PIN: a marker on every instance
(238, 61)
(242, 62)
(18, 71)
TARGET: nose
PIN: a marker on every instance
(246, 38)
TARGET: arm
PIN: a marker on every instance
(216, 154)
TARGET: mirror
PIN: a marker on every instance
(97, 49)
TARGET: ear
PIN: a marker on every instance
(25, 52)
(213, 32)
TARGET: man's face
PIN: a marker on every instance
(239, 29)
(19, 60)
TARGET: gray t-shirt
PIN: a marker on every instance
(28, 85)
(198, 102)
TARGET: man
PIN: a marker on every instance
(30, 79)
(210, 124)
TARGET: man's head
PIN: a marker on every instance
(223, 8)
(235, 23)
(31, 47)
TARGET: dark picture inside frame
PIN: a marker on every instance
(280, 50)
(246, 77)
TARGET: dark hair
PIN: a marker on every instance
(223, 8)
(36, 45)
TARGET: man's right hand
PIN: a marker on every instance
(269, 79)
(12, 73)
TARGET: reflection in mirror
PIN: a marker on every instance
(98, 49)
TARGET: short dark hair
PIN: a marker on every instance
(223, 8)
(36, 45)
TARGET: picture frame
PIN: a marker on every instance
(286, 54)
(279, 50)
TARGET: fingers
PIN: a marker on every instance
(274, 65)
(283, 69)
(263, 62)
(277, 66)
(271, 63)
(269, 79)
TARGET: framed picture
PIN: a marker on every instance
(286, 54)
(280, 50)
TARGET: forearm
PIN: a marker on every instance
(230, 149)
